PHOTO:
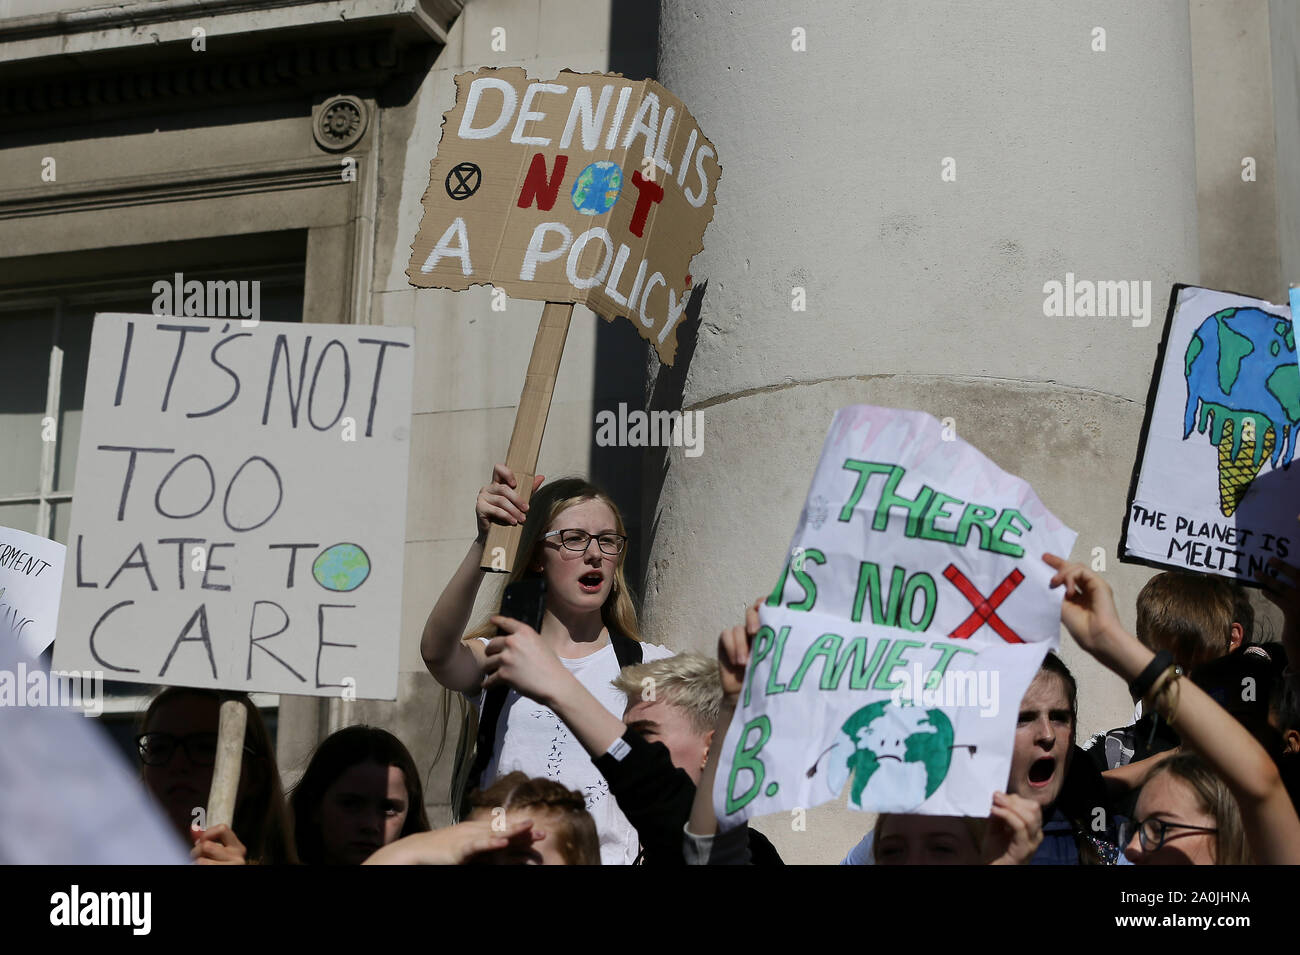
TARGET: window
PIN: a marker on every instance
(43, 363)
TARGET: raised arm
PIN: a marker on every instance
(458, 844)
(1272, 827)
(1131, 776)
(733, 657)
(520, 660)
(455, 664)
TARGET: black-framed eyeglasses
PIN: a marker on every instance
(157, 749)
(578, 540)
(1152, 832)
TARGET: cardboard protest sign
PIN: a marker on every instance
(906, 626)
(31, 573)
(238, 516)
(1213, 490)
(586, 188)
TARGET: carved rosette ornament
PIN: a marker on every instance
(339, 123)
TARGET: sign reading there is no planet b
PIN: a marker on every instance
(238, 517)
(910, 617)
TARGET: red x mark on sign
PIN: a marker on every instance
(984, 607)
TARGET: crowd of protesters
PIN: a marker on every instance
(573, 762)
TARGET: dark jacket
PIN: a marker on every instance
(657, 797)
(1242, 682)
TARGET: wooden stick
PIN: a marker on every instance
(530, 422)
(229, 762)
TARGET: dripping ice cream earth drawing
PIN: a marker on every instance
(1243, 384)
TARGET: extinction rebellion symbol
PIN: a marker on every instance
(467, 178)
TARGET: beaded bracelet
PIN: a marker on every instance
(1160, 696)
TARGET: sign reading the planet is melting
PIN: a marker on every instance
(909, 620)
(586, 188)
(1214, 490)
(234, 521)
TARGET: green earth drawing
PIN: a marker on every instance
(597, 187)
(341, 568)
(1243, 383)
(898, 756)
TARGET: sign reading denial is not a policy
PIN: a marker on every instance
(589, 188)
(237, 516)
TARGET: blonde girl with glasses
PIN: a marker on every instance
(573, 538)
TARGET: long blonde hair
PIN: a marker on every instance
(618, 613)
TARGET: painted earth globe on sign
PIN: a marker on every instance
(341, 568)
(898, 756)
(1242, 383)
(597, 187)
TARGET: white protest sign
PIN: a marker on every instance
(31, 573)
(907, 624)
(1214, 491)
(238, 515)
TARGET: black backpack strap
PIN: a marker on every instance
(493, 703)
(627, 651)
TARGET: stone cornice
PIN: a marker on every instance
(160, 80)
(140, 58)
(188, 185)
(98, 28)
(197, 75)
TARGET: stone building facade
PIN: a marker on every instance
(289, 141)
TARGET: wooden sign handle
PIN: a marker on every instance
(530, 422)
(228, 764)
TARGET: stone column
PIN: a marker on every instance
(917, 174)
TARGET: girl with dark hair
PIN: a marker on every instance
(178, 746)
(361, 791)
(573, 537)
(1048, 767)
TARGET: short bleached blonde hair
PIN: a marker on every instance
(689, 681)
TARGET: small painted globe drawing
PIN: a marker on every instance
(898, 756)
(341, 568)
(597, 187)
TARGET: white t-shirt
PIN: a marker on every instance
(533, 740)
